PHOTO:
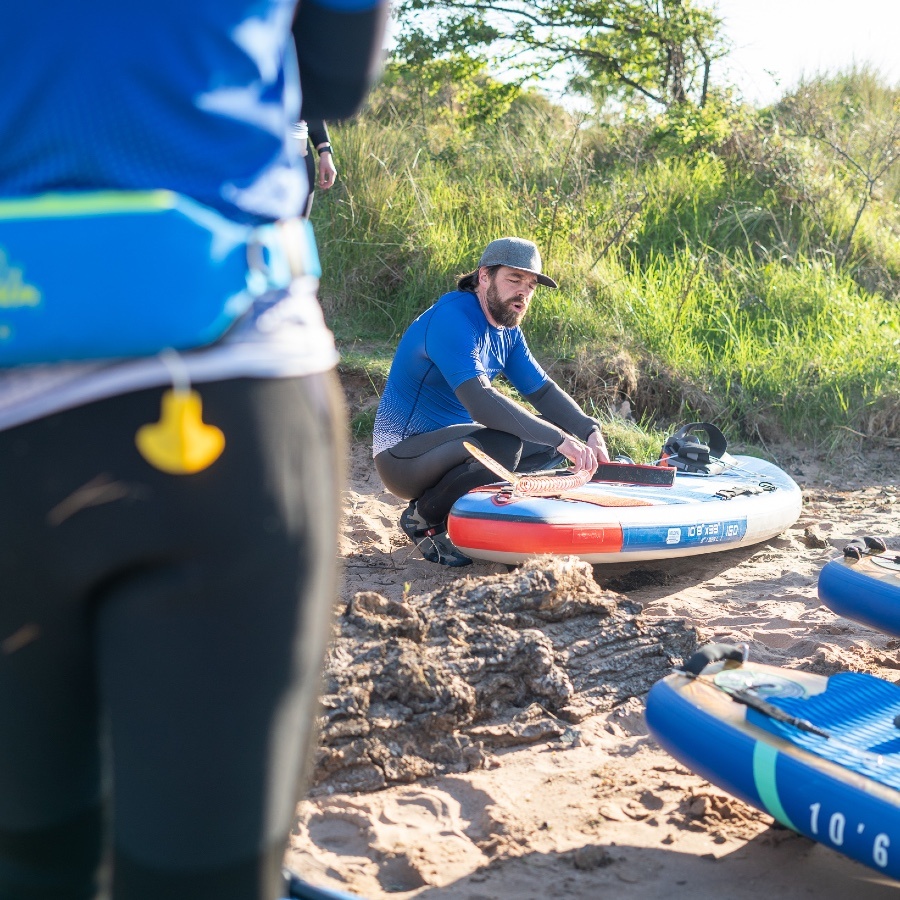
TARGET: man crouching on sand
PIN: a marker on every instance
(439, 394)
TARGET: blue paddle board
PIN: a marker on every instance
(864, 590)
(750, 501)
(303, 890)
(821, 755)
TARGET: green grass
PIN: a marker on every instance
(753, 283)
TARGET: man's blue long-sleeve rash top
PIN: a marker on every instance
(450, 343)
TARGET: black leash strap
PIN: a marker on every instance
(754, 701)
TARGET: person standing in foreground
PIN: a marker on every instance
(439, 394)
(168, 517)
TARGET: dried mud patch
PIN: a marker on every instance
(434, 683)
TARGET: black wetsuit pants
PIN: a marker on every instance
(161, 641)
(436, 469)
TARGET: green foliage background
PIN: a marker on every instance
(734, 265)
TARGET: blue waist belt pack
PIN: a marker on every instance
(101, 275)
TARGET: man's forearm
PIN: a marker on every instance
(490, 408)
(557, 406)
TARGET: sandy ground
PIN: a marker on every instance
(610, 814)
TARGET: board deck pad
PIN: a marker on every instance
(889, 561)
(857, 710)
(578, 494)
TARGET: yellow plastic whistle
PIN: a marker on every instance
(180, 443)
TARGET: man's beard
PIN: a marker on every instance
(501, 313)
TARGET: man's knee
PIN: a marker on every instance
(506, 448)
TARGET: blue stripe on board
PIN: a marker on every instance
(660, 537)
(765, 762)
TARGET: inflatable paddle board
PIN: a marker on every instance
(750, 501)
(865, 589)
(821, 755)
(303, 890)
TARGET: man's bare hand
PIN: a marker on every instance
(582, 457)
(596, 442)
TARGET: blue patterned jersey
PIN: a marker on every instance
(444, 347)
(196, 97)
(191, 96)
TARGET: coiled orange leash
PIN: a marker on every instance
(530, 485)
(568, 487)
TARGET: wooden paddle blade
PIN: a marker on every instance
(490, 463)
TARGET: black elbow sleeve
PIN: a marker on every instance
(340, 57)
(556, 405)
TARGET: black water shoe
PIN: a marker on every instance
(432, 539)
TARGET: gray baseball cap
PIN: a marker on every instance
(517, 253)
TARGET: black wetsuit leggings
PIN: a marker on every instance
(435, 468)
(161, 641)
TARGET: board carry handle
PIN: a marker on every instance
(860, 547)
(711, 653)
(684, 450)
